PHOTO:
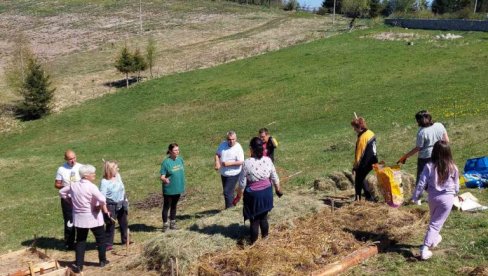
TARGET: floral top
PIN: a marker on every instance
(254, 170)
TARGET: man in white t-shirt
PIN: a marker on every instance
(228, 160)
(67, 174)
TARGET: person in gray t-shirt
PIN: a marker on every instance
(428, 134)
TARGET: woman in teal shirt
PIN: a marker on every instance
(173, 179)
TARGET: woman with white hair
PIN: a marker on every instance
(87, 202)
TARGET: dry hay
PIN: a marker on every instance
(481, 270)
(390, 36)
(335, 180)
(315, 241)
(220, 231)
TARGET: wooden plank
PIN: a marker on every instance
(36, 268)
(58, 272)
(350, 260)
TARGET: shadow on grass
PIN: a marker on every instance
(336, 202)
(51, 243)
(121, 83)
(206, 213)
(71, 263)
(139, 227)
(234, 231)
(386, 245)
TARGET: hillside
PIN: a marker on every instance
(78, 41)
(305, 95)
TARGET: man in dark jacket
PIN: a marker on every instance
(270, 143)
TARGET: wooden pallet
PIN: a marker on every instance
(50, 268)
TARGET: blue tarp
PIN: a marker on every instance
(476, 172)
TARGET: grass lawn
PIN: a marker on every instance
(305, 95)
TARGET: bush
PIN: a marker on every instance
(291, 5)
(322, 11)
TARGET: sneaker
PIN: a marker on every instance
(77, 269)
(172, 225)
(419, 202)
(104, 263)
(165, 226)
(425, 253)
(436, 243)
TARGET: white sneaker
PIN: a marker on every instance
(425, 253)
(419, 202)
(436, 243)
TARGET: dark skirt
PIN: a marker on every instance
(257, 202)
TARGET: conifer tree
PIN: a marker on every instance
(36, 92)
(139, 63)
(125, 64)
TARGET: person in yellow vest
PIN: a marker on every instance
(364, 158)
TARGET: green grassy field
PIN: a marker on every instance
(305, 95)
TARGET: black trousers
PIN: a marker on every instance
(359, 184)
(421, 162)
(259, 221)
(81, 235)
(229, 185)
(169, 203)
(69, 231)
(121, 216)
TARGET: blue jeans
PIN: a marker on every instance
(229, 186)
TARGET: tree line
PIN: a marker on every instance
(375, 8)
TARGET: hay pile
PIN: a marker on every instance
(315, 241)
(335, 181)
(176, 251)
(343, 181)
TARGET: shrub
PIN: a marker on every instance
(291, 5)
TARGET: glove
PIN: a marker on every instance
(236, 200)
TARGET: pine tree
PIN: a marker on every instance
(36, 92)
(125, 64)
(139, 63)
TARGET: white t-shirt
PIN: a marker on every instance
(227, 153)
(427, 137)
(69, 174)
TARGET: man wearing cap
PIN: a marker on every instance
(228, 160)
(67, 174)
